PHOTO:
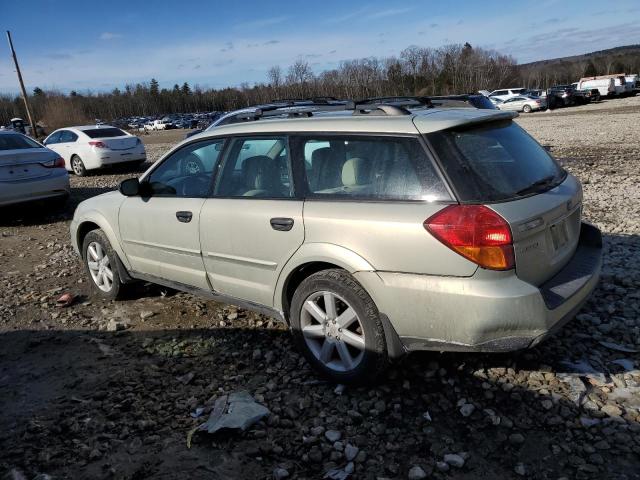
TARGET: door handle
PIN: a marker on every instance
(282, 224)
(184, 217)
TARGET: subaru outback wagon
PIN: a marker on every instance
(371, 233)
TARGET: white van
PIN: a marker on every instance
(634, 82)
(606, 86)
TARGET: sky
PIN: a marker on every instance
(98, 45)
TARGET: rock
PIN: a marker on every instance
(350, 452)
(520, 469)
(333, 435)
(416, 473)
(467, 409)
(454, 460)
(442, 466)
(256, 355)
(516, 438)
(280, 473)
(146, 314)
(115, 326)
(611, 410)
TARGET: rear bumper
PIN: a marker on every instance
(490, 311)
(115, 157)
(56, 185)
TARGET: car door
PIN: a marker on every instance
(65, 146)
(253, 223)
(52, 142)
(160, 228)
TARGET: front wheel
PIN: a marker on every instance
(100, 262)
(78, 166)
(337, 327)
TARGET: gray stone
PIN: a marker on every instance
(454, 460)
(416, 473)
(333, 435)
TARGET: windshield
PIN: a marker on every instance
(14, 141)
(104, 132)
(495, 162)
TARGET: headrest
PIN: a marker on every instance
(355, 171)
(321, 155)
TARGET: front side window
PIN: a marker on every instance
(53, 138)
(256, 167)
(497, 161)
(67, 137)
(187, 172)
(369, 167)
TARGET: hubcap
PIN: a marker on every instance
(99, 267)
(77, 168)
(332, 331)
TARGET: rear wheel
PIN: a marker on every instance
(100, 261)
(337, 327)
(526, 109)
(77, 166)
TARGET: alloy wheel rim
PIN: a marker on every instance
(332, 331)
(77, 168)
(99, 267)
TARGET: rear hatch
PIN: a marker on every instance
(496, 163)
(113, 138)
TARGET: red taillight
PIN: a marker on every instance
(57, 163)
(97, 144)
(476, 232)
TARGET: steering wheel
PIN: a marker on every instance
(191, 165)
(195, 185)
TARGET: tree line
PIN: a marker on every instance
(455, 68)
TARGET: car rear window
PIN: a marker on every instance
(104, 132)
(495, 162)
(11, 141)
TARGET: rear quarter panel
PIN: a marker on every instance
(390, 236)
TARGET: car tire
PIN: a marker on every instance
(104, 276)
(328, 308)
(526, 109)
(77, 166)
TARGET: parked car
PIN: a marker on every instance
(29, 171)
(588, 94)
(561, 96)
(506, 93)
(91, 147)
(523, 104)
(276, 216)
(634, 82)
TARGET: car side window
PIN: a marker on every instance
(187, 172)
(53, 138)
(366, 167)
(256, 167)
(67, 136)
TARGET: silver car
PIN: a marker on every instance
(29, 171)
(372, 232)
(526, 104)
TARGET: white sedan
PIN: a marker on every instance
(91, 147)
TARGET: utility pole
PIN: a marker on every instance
(34, 132)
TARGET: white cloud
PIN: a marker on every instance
(110, 36)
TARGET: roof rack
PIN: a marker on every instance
(400, 101)
(307, 108)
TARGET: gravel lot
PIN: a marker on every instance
(80, 401)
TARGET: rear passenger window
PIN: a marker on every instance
(256, 167)
(369, 168)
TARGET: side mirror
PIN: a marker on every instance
(130, 187)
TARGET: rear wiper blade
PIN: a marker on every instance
(537, 185)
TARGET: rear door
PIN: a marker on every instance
(253, 224)
(160, 230)
(66, 146)
(371, 194)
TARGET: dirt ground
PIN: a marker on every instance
(78, 400)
